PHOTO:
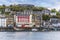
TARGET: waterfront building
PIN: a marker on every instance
(3, 21)
(53, 14)
(7, 10)
(46, 12)
(55, 22)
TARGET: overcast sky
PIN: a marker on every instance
(44, 3)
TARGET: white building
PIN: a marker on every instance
(46, 12)
(3, 20)
(28, 11)
(55, 22)
(53, 14)
(7, 10)
(37, 12)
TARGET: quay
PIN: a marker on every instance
(41, 29)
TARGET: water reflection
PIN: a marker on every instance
(29, 35)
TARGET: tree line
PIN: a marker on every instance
(34, 8)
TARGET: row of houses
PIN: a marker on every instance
(46, 11)
(5, 21)
(37, 14)
(34, 20)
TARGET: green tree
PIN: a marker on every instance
(17, 8)
(53, 10)
(38, 8)
(41, 8)
(45, 17)
(2, 9)
(57, 13)
(7, 13)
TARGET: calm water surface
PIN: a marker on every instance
(29, 35)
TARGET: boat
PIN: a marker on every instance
(17, 29)
(34, 29)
